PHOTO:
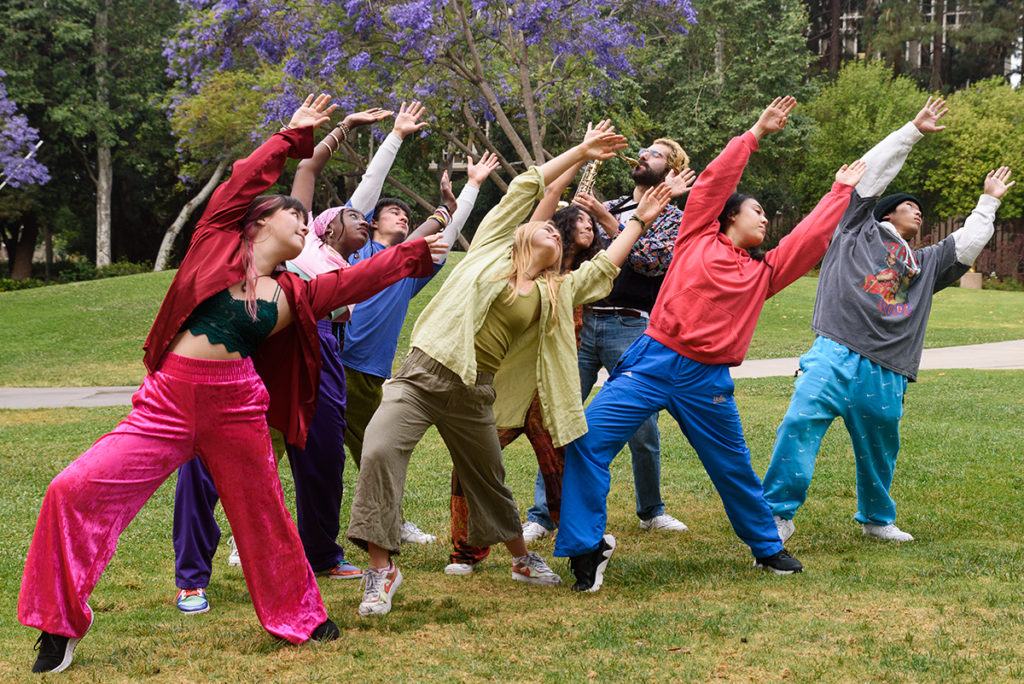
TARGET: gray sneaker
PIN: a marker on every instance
(532, 568)
(785, 528)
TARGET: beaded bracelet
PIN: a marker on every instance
(634, 217)
(442, 216)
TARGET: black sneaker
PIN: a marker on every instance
(589, 568)
(56, 652)
(325, 631)
(781, 563)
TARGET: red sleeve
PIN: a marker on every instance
(807, 243)
(714, 186)
(250, 177)
(333, 289)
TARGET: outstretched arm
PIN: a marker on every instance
(251, 176)
(442, 216)
(886, 158)
(979, 226)
(477, 173)
(720, 178)
(309, 169)
(651, 204)
(407, 121)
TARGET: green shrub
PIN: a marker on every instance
(123, 268)
(8, 285)
(1008, 284)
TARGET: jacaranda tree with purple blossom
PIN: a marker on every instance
(531, 68)
(18, 143)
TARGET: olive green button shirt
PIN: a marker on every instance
(541, 363)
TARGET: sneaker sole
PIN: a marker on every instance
(69, 650)
(603, 565)
(234, 563)
(776, 570)
(198, 611)
(543, 580)
(458, 570)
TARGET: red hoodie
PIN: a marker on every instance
(713, 292)
(289, 361)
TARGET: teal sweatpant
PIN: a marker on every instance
(837, 382)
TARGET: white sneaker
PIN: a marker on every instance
(414, 535)
(459, 568)
(532, 568)
(234, 560)
(378, 588)
(532, 531)
(887, 532)
(785, 527)
(663, 522)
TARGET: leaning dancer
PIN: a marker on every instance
(579, 244)
(701, 324)
(870, 313)
(504, 310)
(201, 397)
(317, 469)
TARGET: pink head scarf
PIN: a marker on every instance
(317, 257)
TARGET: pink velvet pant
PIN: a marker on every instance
(189, 407)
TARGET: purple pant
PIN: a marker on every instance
(317, 471)
(216, 409)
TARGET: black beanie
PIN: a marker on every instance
(890, 202)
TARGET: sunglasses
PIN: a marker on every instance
(653, 154)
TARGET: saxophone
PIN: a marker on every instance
(590, 174)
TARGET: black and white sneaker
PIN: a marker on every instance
(55, 651)
(781, 563)
(589, 568)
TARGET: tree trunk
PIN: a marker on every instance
(48, 248)
(104, 169)
(833, 37)
(21, 260)
(938, 44)
(167, 244)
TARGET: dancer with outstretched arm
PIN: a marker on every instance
(701, 325)
(228, 313)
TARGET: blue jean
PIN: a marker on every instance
(651, 377)
(604, 339)
(839, 382)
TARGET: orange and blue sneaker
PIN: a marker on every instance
(378, 588)
(192, 601)
(343, 570)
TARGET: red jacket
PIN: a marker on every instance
(713, 292)
(289, 361)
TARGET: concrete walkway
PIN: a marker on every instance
(992, 356)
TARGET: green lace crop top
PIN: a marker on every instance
(224, 320)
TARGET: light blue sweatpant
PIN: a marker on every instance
(837, 382)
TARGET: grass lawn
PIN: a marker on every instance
(949, 606)
(91, 333)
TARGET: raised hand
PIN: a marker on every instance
(478, 173)
(313, 112)
(679, 182)
(601, 127)
(773, 118)
(850, 174)
(601, 144)
(366, 117)
(408, 119)
(653, 203)
(447, 196)
(932, 111)
(438, 249)
(995, 182)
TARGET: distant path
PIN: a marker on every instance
(991, 356)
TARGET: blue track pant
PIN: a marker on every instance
(837, 382)
(651, 377)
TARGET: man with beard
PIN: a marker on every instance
(611, 324)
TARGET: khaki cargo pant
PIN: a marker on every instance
(425, 393)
